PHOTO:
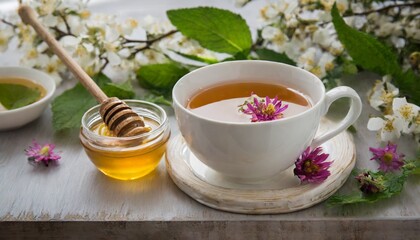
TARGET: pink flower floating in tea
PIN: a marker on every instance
(388, 158)
(312, 167)
(264, 109)
(42, 153)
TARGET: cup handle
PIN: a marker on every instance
(349, 119)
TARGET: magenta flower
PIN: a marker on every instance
(388, 158)
(42, 153)
(311, 166)
(369, 184)
(264, 109)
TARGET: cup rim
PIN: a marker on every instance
(15, 72)
(291, 118)
(160, 128)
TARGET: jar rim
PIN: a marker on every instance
(160, 128)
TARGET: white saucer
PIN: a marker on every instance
(280, 194)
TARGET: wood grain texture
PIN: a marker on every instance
(281, 196)
(226, 230)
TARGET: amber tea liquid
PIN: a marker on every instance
(221, 102)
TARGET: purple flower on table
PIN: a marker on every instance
(388, 158)
(312, 167)
(42, 153)
(369, 184)
(264, 109)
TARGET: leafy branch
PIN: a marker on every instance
(362, 46)
(392, 184)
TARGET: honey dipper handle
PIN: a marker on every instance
(28, 16)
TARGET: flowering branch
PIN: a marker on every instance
(105, 63)
(65, 22)
(8, 23)
(384, 9)
(61, 33)
(147, 42)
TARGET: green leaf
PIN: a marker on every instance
(160, 78)
(409, 84)
(270, 55)
(14, 96)
(157, 99)
(197, 58)
(123, 91)
(352, 129)
(215, 29)
(365, 50)
(356, 198)
(69, 107)
(412, 167)
(393, 183)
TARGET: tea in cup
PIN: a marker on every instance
(208, 101)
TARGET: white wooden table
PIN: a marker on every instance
(75, 200)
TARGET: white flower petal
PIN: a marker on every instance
(111, 34)
(69, 41)
(323, 37)
(388, 136)
(270, 32)
(397, 103)
(89, 47)
(43, 60)
(398, 125)
(124, 53)
(42, 47)
(113, 58)
(50, 20)
(374, 124)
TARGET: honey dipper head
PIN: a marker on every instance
(121, 119)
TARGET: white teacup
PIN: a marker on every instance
(257, 150)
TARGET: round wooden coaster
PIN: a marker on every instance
(280, 194)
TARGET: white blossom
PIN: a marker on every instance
(407, 112)
(307, 59)
(70, 43)
(385, 29)
(275, 35)
(398, 41)
(336, 48)
(323, 37)
(326, 63)
(382, 94)
(52, 66)
(5, 35)
(152, 26)
(389, 128)
(150, 57)
(413, 32)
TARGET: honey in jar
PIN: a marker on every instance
(126, 158)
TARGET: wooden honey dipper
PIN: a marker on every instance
(116, 114)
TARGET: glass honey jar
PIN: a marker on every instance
(126, 158)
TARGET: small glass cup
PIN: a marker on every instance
(126, 158)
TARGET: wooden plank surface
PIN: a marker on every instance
(75, 190)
